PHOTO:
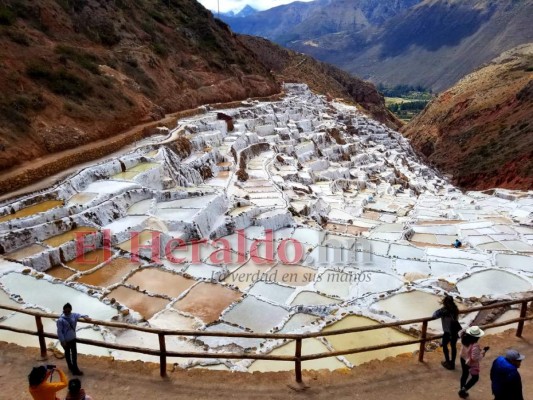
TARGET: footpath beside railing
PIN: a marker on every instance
(298, 358)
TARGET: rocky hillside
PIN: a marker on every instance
(289, 66)
(432, 43)
(75, 71)
(481, 130)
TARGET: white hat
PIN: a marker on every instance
(475, 331)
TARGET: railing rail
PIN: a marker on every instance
(298, 358)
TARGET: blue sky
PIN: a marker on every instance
(237, 5)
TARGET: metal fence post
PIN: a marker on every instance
(40, 333)
(298, 361)
(163, 355)
(523, 312)
(423, 336)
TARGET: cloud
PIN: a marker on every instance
(237, 5)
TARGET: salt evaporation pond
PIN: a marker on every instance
(31, 210)
(495, 282)
(359, 228)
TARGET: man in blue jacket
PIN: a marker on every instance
(506, 380)
(66, 331)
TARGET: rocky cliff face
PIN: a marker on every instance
(481, 130)
(78, 71)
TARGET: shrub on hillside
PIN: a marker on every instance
(7, 16)
(60, 82)
(85, 60)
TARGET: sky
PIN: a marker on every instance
(237, 5)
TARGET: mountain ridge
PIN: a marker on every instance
(480, 130)
(431, 43)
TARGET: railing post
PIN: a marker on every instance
(40, 332)
(423, 336)
(298, 361)
(523, 312)
(163, 355)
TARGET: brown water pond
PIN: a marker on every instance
(25, 252)
(293, 275)
(145, 305)
(58, 240)
(161, 282)
(32, 210)
(111, 273)
(89, 260)
(206, 301)
(60, 273)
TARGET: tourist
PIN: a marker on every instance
(41, 385)
(471, 356)
(66, 331)
(449, 314)
(75, 392)
(506, 380)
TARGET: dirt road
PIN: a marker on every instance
(399, 378)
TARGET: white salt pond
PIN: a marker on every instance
(411, 305)
(52, 296)
(309, 346)
(367, 338)
(493, 283)
(360, 242)
(255, 314)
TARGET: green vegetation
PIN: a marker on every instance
(83, 59)
(60, 82)
(7, 16)
(405, 101)
(160, 49)
(15, 110)
(18, 37)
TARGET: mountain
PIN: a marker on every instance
(480, 131)
(290, 66)
(431, 43)
(308, 20)
(246, 11)
(78, 71)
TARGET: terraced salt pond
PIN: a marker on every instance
(31, 210)
(361, 232)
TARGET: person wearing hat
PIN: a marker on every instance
(506, 380)
(471, 356)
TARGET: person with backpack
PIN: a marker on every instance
(66, 331)
(471, 356)
(449, 314)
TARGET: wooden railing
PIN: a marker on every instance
(298, 358)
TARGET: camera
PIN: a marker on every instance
(50, 366)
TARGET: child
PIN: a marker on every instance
(75, 392)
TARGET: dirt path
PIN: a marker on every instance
(399, 378)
